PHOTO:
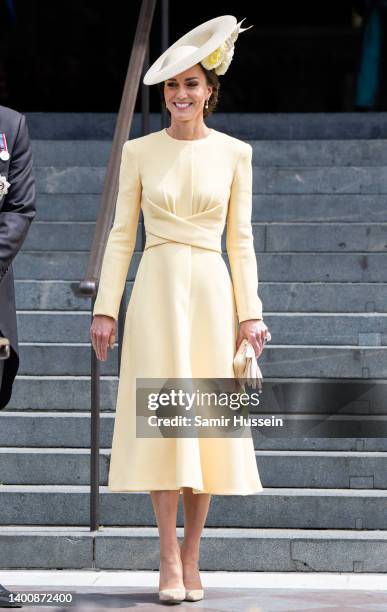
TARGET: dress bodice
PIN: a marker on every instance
(188, 191)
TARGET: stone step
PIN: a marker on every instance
(60, 393)
(231, 549)
(64, 236)
(323, 329)
(69, 179)
(58, 295)
(289, 126)
(73, 359)
(265, 152)
(62, 359)
(274, 237)
(321, 237)
(278, 297)
(82, 207)
(59, 265)
(284, 267)
(83, 153)
(282, 508)
(324, 180)
(301, 469)
(333, 152)
(318, 207)
(267, 208)
(292, 179)
(51, 429)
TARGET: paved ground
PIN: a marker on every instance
(272, 592)
(219, 599)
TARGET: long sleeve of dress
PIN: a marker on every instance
(240, 240)
(122, 238)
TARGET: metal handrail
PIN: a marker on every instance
(88, 287)
(124, 122)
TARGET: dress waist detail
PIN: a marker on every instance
(197, 230)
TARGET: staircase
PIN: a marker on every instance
(320, 227)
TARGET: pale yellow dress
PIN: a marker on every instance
(182, 316)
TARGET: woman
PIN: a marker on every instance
(182, 318)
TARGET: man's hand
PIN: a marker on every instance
(103, 334)
(255, 331)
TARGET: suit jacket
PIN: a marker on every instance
(17, 210)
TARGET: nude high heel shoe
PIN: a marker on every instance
(194, 594)
(172, 595)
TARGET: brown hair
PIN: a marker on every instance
(212, 79)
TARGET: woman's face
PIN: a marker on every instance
(191, 90)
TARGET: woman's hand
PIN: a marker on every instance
(103, 334)
(255, 331)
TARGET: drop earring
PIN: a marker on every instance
(206, 106)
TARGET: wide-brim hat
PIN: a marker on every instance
(211, 44)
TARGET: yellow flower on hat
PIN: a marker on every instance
(222, 68)
(220, 59)
(215, 58)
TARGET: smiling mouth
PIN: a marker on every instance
(184, 106)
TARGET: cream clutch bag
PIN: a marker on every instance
(246, 368)
(4, 348)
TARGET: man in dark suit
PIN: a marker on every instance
(17, 210)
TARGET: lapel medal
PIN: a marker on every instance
(4, 154)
